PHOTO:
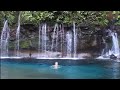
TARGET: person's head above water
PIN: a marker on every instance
(56, 63)
(56, 66)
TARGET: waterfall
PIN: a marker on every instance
(69, 43)
(56, 46)
(39, 42)
(115, 44)
(75, 39)
(115, 50)
(44, 39)
(17, 46)
(62, 39)
(55, 36)
(5, 39)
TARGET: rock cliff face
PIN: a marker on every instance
(91, 39)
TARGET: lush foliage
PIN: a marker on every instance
(35, 17)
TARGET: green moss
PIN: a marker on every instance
(24, 44)
(11, 45)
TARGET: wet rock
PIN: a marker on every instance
(113, 56)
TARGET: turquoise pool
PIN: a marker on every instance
(68, 70)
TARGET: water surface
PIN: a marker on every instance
(96, 70)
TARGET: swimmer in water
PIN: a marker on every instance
(56, 66)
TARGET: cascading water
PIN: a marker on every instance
(44, 39)
(115, 50)
(75, 39)
(5, 39)
(17, 38)
(71, 39)
(69, 43)
(55, 33)
(115, 47)
(39, 42)
(62, 39)
(56, 46)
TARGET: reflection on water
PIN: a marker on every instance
(116, 70)
(43, 71)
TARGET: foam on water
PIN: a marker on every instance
(101, 57)
(11, 57)
(60, 58)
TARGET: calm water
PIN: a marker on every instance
(97, 70)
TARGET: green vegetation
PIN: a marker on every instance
(67, 17)
(24, 44)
